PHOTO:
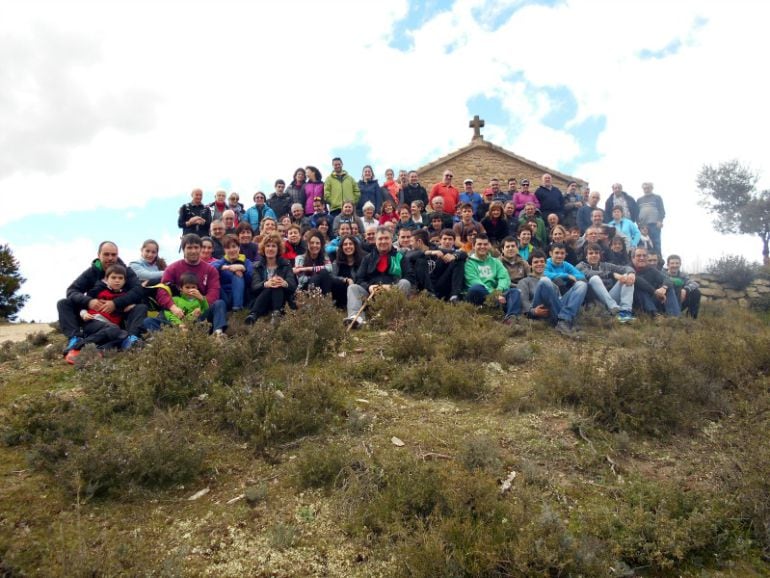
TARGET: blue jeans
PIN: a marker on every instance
(477, 293)
(233, 291)
(561, 307)
(654, 231)
(621, 296)
(648, 304)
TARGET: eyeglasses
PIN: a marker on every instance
(448, 176)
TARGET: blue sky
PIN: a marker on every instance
(114, 111)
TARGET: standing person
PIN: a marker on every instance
(512, 188)
(273, 283)
(470, 196)
(296, 188)
(78, 299)
(371, 191)
(259, 211)
(524, 196)
(414, 191)
(550, 197)
(194, 217)
(383, 267)
(208, 283)
(446, 191)
(626, 227)
(149, 267)
(497, 193)
(314, 189)
(340, 187)
(485, 274)
(235, 205)
(687, 290)
(218, 205)
(392, 187)
(573, 201)
(620, 198)
(651, 214)
(281, 201)
(584, 213)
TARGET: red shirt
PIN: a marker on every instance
(450, 195)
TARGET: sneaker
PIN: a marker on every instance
(510, 319)
(615, 311)
(354, 323)
(71, 356)
(129, 342)
(219, 335)
(454, 299)
(72, 344)
(564, 328)
(251, 319)
(626, 317)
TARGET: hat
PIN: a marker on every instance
(524, 181)
(466, 181)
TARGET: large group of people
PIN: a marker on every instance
(544, 255)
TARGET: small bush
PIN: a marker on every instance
(321, 467)
(297, 339)
(441, 378)
(269, 412)
(734, 271)
(283, 536)
(47, 418)
(479, 452)
(38, 338)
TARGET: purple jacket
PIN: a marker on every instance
(313, 190)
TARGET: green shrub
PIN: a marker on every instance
(155, 453)
(266, 412)
(38, 338)
(734, 271)
(47, 418)
(321, 467)
(440, 377)
(479, 452)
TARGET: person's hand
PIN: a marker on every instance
(239, 273)
(501, 299)
(86, 316)
(129, 308)
(196, 313)
(374, 289)
(195, 293)
(177, 311)
(540, 311)
(94, 304)
(572, 278)
(630, 278)
(659, 224)
(682, 295)
(298, 270)
(448, 258)
(108, 306)
(660, 294)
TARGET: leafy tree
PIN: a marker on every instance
(11, 301)
(729, 192)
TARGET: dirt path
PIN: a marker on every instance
(19, 331)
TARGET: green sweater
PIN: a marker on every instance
(337, 190)
(490, 272)
(188, 305)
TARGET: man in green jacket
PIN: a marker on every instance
(340, 187)
(484, 274)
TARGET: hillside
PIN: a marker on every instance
(435, 442)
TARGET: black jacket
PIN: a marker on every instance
(77, 293)
(283, 270)
(367, 273)
(189, 210)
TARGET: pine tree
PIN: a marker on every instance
(11, 301)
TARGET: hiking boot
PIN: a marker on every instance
(74, 342)
(626, 317)
(565, 328)
(71, 356)
(129, 342)
(250, 319)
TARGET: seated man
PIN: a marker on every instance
(438, 271)
(517, 267)
(78, 299)
(653, 291)
(612, 285)
(208, 286)
(570, 289)
(385, 267)
(687, 290)
(485, 274)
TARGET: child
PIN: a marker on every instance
(102, 328)
(645, 240)
(189, 300)
(234, 274)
